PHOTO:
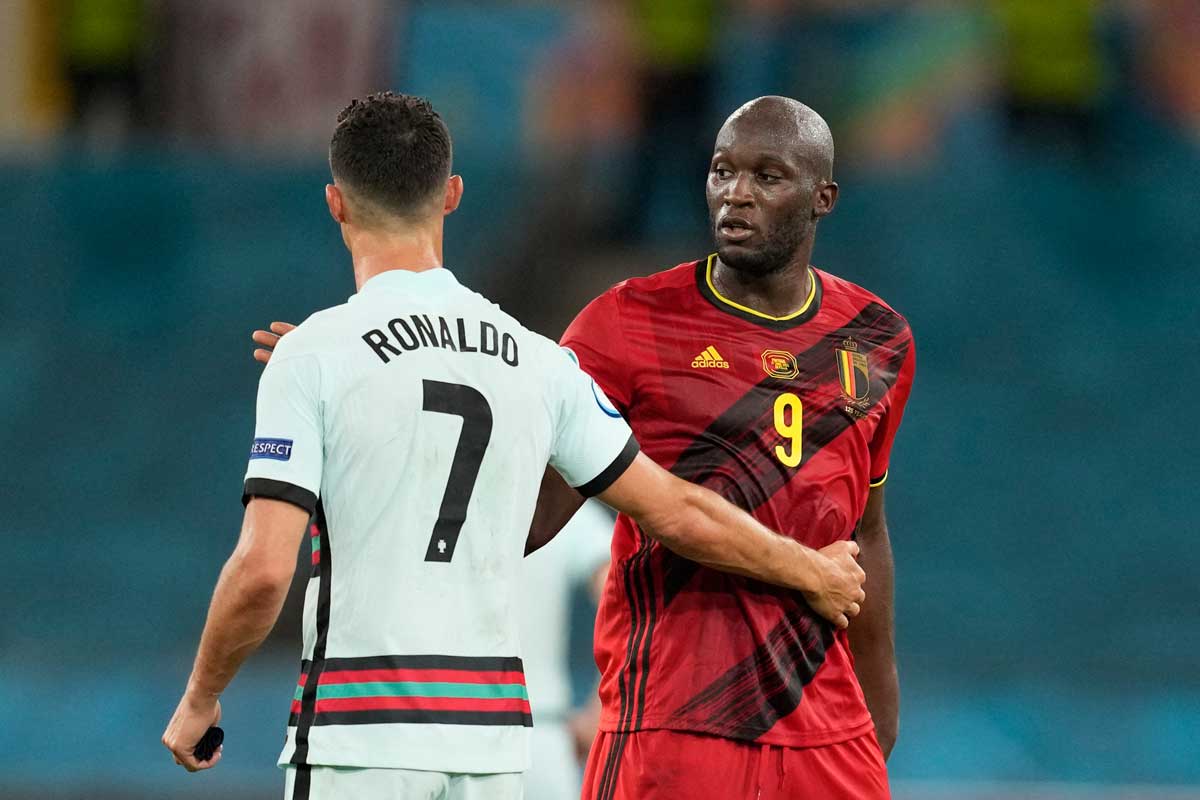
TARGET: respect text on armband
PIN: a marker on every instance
(274, 449)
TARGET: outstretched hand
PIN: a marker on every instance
(841, 595)
(268, 339)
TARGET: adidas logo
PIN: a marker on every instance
(710, 359)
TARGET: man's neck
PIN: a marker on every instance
(776, 294)
(373, 252)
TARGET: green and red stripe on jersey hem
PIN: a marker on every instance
(314, 534)
(430, 689)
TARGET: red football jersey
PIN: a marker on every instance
(792, 419)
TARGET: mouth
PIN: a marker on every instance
(734, 229)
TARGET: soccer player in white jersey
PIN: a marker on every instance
(422, 418)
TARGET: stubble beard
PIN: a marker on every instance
(776, 253)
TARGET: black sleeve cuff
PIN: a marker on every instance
(613, 471)
(279, 490)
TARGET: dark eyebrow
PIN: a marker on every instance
(762, 157)
(770, 160)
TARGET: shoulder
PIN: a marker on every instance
(839, 294)
(655, 290)
(312, 336)
(646, 288)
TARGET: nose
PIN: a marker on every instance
(737, 192)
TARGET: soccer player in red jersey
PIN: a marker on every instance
(779, 386)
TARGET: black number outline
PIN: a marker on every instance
(462, 401)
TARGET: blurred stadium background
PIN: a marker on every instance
(1019, 177)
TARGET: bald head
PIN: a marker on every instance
(770, 181)
(789, 127)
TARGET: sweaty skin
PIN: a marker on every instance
(769, 183)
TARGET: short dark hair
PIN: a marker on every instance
(393, 150)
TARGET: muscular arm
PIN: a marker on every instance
(245, 605)
(872, 639)
(249, 593)
(700, 525)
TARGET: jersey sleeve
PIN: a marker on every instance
(596, 339)
(287, 455)
(881, 444)
(593, 445)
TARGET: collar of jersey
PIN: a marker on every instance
(407, 280)
(801, 315)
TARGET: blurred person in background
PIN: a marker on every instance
(268, 76)
(675, 42)
(1055, 69)
(550, 577)
(105, 45)
(33, 90)
(577, 140)
(650, 74)
(1169, 56)
(781, 387)
(578, 147)
(894, 75)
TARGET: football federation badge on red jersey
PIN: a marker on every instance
(852, 371)
(780, 364)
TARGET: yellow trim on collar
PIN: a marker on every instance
(812, 293)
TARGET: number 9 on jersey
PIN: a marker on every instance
(789, 423)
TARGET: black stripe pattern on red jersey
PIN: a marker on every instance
(639, 585)
(766, 686)
(738, 428)
(750, 698)
(612, 767)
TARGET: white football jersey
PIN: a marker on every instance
(422, 417)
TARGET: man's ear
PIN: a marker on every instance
(454, 193)
(826, 198)
(336, 202)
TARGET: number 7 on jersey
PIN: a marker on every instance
(468, 403)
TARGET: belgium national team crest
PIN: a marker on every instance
(852, 371)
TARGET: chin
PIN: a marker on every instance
(746, 260)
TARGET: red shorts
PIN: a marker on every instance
(674, 765)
